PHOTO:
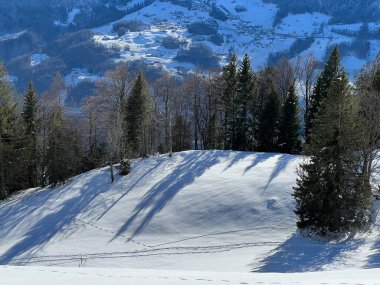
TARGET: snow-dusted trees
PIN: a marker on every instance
(138, 119)
(11, 148)
(368, 89)
(331, 69)
(31, 116)
(333, 194)
(289, 124)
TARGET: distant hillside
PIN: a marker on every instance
(342, 11)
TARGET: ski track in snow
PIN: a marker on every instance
(214, 211)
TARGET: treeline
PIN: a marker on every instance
(236, 108)
(129, 117)
(334, 189)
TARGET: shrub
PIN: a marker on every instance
(218, 13)
(240, 8)
(203, 28)
(200, 55)
(217, 39)
(130, 25)
(171, 43)
(125, 167)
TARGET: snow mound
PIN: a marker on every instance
(216, 211)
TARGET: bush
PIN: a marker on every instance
(130, 25)
(121, 31)
(217, 39)
(200, 55)
(203, 28)
(218, 13)
(240, 8)
(125, 167)
(171, 43)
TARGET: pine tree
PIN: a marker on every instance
(332, 195)
(138, 112)
(31, 118)
(230, 79)
(268, 123)
(330, 71)
(181, 134)
(244, 98)
(11, 140)
(57, 164)
(289, 125)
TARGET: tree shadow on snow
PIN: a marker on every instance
(373, 260)
(61, 215)
(192, 166)
(301, 254)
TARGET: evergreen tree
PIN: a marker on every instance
(330, 71)
(230, 79)
(138, 112)
(268, 123)
(244, 98)
(332, 195)
(181, 134)
(31, 118)
(11, 140)
(289, 125)
(57, 165)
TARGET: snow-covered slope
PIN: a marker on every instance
(218, 212)
(201, 211)
(191, 211)
(111, 276)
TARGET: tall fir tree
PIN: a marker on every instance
(181, 134)
(230, 80)
(332, 194)
(11, 140)
(330, 71)
(244, 98)
(138, 118)
(31, 118)
(267, 134)
(289, 125)
(57, 165)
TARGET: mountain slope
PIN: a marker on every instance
(203, 211)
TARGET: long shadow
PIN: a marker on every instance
(192, 166)
(298, 254)
(130, 189)
(259, 158)
(14, 211)
(280, 167)
(48, 226)
(374, 259)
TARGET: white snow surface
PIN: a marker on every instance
(197, 216)
(252, 31)
(110, 276)
(38, 58)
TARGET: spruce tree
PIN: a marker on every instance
(57, 170)
(289, 125)
(330, 71)
(332, 195)
(181, 134)
(31, 118)
(244, 98)
(11, 140)
(138, 112)
(268, 123)
(230, 80)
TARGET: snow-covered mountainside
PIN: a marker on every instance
(231, 27)
(215, 211)
(175, 35)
